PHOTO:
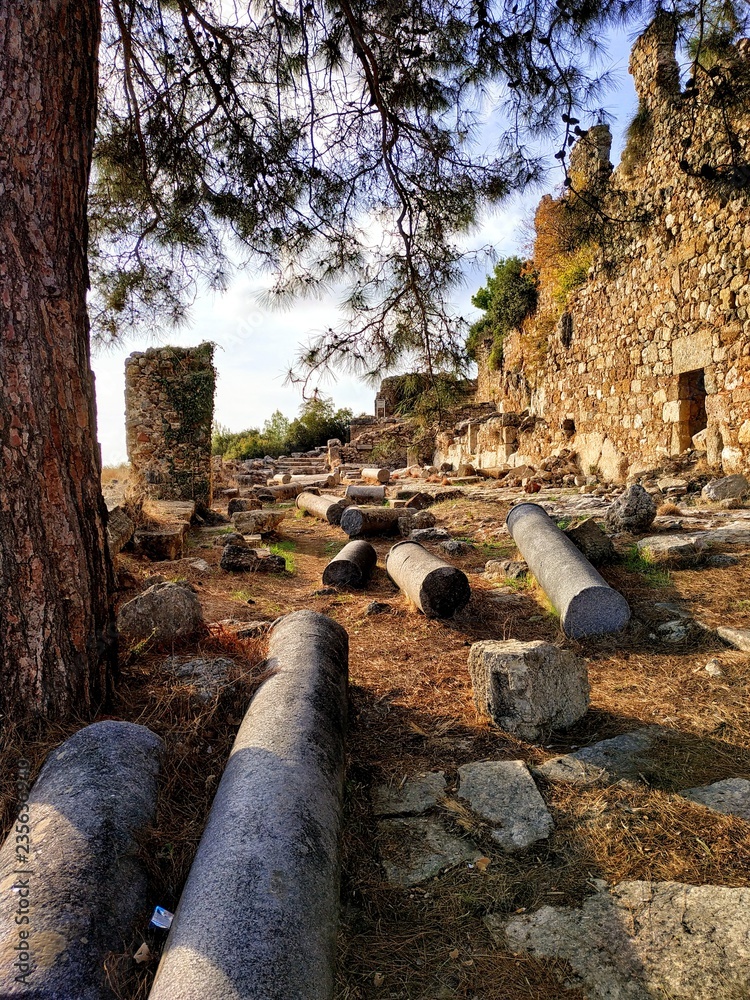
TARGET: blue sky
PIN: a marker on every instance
(256, 345)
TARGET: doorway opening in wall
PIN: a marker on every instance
(692, 395)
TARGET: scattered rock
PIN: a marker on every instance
(731, 796)
(729, 487)
(325, 592)
(505, 569)
(237, 506)
(642, 940)
(454, 547)
(634, 511)
(504, 795)
(120, 530)
(232, 538)
(242, 559)
(164, 543)
(378, 608)
(207, 675)
(738, 638)
(713, 668)
(262, 522)
(721, 559)
(415, 795)
(165, 613)
(415, 849)
(200, 565)
(673, 550)
(674, 631)
(429, 535)
(625, 756)
(589, 538)
(528, 688)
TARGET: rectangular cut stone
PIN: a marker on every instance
(691, 353)
(528, 688)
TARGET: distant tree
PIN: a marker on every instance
(317, 423)
(509, 296)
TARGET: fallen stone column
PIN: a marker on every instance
(352, 566)
(376, 475)
(289, 492)
(71, 883)
(326, 508)
(586, 603)
(258, 915)
(324, 482)
(437, 588)
(370, 520)
(370, 494)
(280, 479)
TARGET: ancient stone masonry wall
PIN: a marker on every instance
(653, 348)
(169, 403)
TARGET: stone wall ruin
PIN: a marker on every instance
(650, 355)
(169, 405)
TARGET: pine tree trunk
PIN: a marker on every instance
(57, 640)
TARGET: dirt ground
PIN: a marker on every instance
(411, 710)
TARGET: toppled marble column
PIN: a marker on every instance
(280, 479)
(368, 494)
(586, 603)
(258, 916)
(437, 588)
(370, 520)
(326, 508)
(376, 475)
(352, 566)
(71, 882)
(528, 688)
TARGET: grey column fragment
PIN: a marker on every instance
(71, 883)
(376, 475)
(437, 588)
(326, 508)
(352, 566)
(370, 520)
(585, 601)
(370, 494)
(258, 916)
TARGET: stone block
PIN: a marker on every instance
(731, 796)
(263, 522)
(164, 543)
(528, 688)
(120, 530)
(416, 795)
(165, 613)
(633, 511)
(504, 795)
(726, 488)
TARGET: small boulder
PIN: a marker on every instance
(727, 488)
(592, 542)
(232, 538)
(165, 613)
(505, 569)
(243, 559)
(634, 511)
(412, 521)
(263, 522)
(162, 544)
(455, 547)
(238, 505)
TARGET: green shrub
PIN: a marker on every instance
(509, 296)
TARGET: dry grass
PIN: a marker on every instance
(412, 709)
(119, 473)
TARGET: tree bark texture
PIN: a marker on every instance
(57, 636)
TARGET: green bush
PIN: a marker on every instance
(318, 421)
(509, 296)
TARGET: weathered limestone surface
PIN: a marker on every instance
(169, 393)
(416, 848)
(655, 342)
(415, 795)
(626, 756)
(86, 885)
(643, 940)
(503, 793)
(730, 796)
(528, 688)
(165, 613)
